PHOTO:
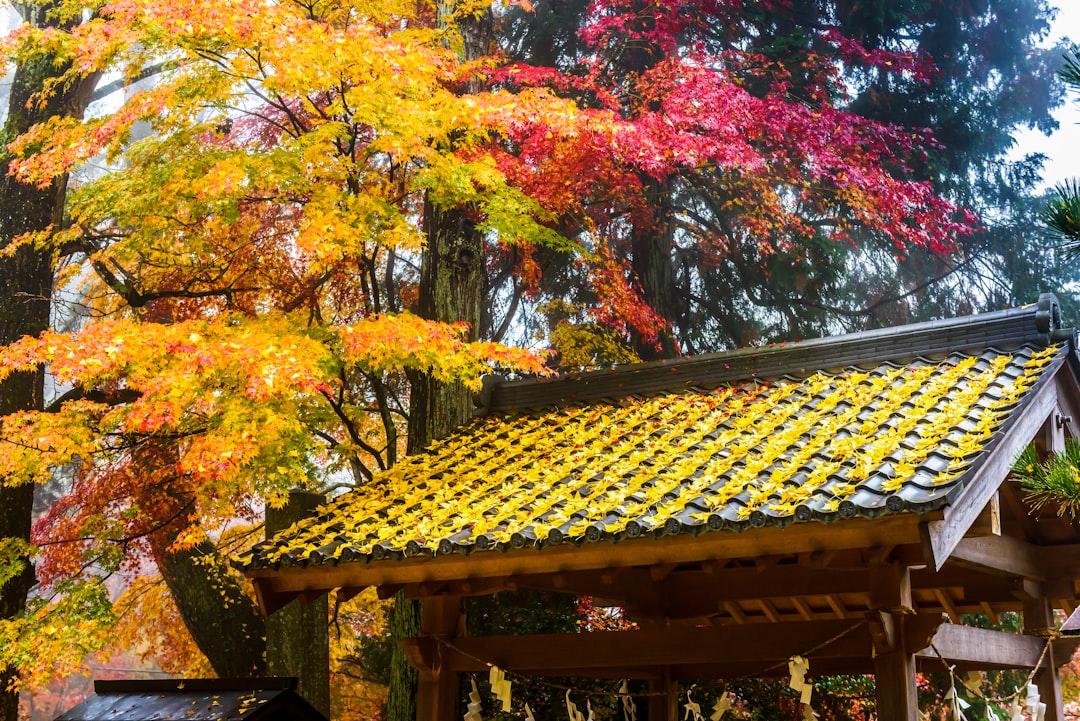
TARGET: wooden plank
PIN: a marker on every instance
(837, 606)
(1069, 400)
(947, 603)
(804, 610)
(942, 537)
(980, 648)
(1002, 555)
(849, 534)
(751, 644)
(1019, 512)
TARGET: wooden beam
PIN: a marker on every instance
(1069, 401)
(1065, 649)
(941, 537)
(769, 610)
(854, 533)
(733, 609)
(1018, 510)
(947, 604)
(659, 573)
(804, 610)
(972, 648)
(884, 630)
(890, 587)
(664, 706)
(751, 644)
(988, 522)
(1001, 555)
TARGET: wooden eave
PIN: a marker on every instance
(939, 540)
(1055, 396)
(276, 587)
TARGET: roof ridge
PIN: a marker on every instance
(1038, 323)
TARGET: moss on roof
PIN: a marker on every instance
(889, 438)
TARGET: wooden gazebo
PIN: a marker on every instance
(844, 498)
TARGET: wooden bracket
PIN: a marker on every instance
(883, 631)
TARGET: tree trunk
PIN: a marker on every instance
(25, 290)
(451, 290)
(222, 619)
(651, 246)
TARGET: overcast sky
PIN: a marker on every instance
(1063, 147)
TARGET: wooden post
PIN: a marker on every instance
(894, 662)
(438, 694)
(665, 707)
(894, 673)
(1039, 621)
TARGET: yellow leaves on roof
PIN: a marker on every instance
(768, 447)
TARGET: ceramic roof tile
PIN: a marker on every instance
(891, 437)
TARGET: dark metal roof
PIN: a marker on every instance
(820, 431)
(1039, 323)
(250, 699)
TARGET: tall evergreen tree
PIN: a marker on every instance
(718, 286)
(1063, 212)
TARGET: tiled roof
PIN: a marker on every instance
(891, 436)
(194, 700)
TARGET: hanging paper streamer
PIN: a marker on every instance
(1015, 712)
(572, 710)
(693, 710)
(1035, 707)
(529, 714)
(798, 667)
(629, 709)
(588, 707)
(720, 707)
(473, 713)
(808, 713)
(957, 704)
(500, 686)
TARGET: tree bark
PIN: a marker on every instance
(222, 619)
(26, 279)
(651, 246)
(451, 290)
(298, 636)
